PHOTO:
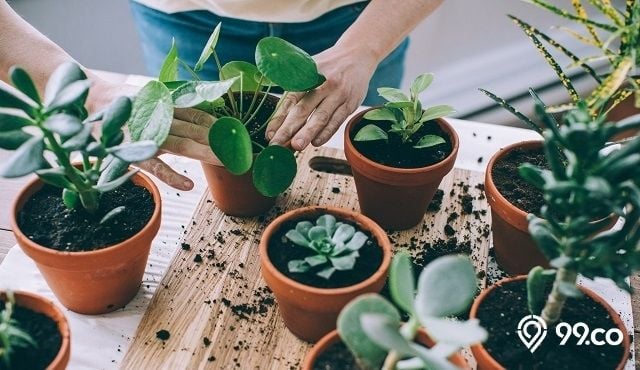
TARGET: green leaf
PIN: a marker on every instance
(328, 222)
(452, 273)
(393, 95)
(421, 83)
(208, 48)
(384, 330)
(398, 104)
(326, 273)
(230, 142)
(297, 238)
(357, 241)
(298, 266)
(172, 85)
(63, 124)
(70, 198)
(346, 262)
(112, 214)
(186, 96)
(274, 170)
(11, 98)
(534, 175)
(111, 169)
(63, 76)
(401, 282)
(287, 65)
(371, 132)
(114, 184)
(537, 281)
(21, 80)
(115, 116)
(245, 73)
(368, 354)
(55, 176)
(152, 113)
(11, 140)
(316, 260)
(135, 151)
(169, 69)
(12, 119)
(318, 233)
(433, 359)
(458, 333)
(380, 114)
(343, 233)
(74, 94)
(27, 159)
(79, 140)
(427, 141)
(211, 91)
(436, 111)
(96, 149)
(303, 227)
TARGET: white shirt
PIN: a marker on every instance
(275, 11)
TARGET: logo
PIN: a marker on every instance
(532, 330)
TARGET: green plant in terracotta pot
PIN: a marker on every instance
(316, 260)
(371, 336)
(34, 334)
(399, 153)
(78, 221)
(586, 177)
(254, 172)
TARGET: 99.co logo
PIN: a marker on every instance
(532, 330)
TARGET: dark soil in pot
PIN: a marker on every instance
(336, 357)
(281, 251)
(501, 311)
(402, 155)
(254, 126)
(43, 331)
(48, 222)
(514, 188)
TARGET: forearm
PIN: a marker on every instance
(384, 24)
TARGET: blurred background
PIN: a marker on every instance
(467, 43)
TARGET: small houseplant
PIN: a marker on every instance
(88, 226)
(370, 330)
(254, 172)
(585, 179)
(399, 153)
(317, 259)
(34, 334)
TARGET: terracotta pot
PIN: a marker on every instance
(235, 195)
(396, 198)
(333, 337)
(311, 312)
(93, 282)
(515, 250)
(486, 362)
(41, 305)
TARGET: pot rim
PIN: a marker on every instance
(60, 320)
(363, 222)
(615, 317)
(444, 124)
(18, 202)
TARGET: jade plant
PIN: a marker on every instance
(12, 336)
(58, 124)
(371, 329)
(586, 180)
(614, 35)
(237, 138)
(334, 244)
(406, 115)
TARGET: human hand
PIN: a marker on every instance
(188, 135)
(314, 117)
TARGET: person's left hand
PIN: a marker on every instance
(314, 117)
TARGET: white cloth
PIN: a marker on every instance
(276, 11)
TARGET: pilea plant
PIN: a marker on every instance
(11, 336)
(370, 325)
(584, 182)
(60, 125)
(237, 136)
(406, 116)
(335, 245)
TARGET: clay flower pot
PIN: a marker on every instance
(310, 312)
(93, 282)
(487, 362)
(333, 337)
(396, 198)
(41, 305)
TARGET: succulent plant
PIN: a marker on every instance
(335, 246)
(11, 336)
(370, 325)
(406, 116)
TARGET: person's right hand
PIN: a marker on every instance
(188, 136)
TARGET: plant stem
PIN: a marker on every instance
(408, 331)
(254, 99)
(232, 100)
(556, 300)
(264, 98)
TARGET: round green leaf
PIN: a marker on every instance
(152, 113)
(287, 65)
(371, 132)
(230, 142)
(274, 170)
(246, 73)
(428, 141)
